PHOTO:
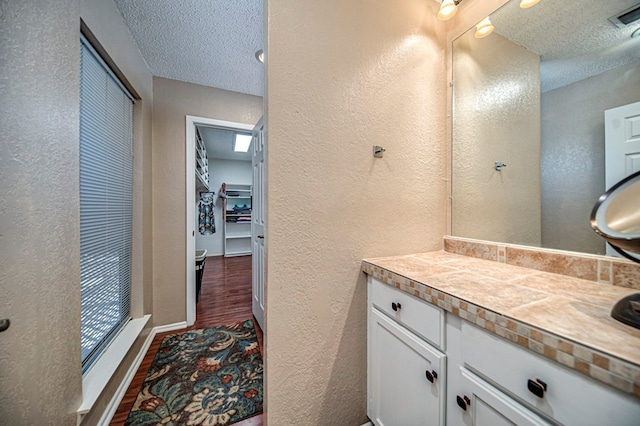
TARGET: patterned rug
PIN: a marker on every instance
(211, 376)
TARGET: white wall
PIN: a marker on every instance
(231, 172)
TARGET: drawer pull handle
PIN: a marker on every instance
(463, 402)
(537, 387)
(396, 306)
(431, 375)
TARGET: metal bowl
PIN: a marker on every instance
(616, 217)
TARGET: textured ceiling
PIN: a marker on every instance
(213, 42)
(207, 42)
(575, 38)
(219, 144)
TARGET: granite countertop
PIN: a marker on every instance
(562, 318)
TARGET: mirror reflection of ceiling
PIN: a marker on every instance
(219, 144)
(575, 39)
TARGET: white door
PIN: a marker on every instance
(622, 142)
(406, 376)
(257, 224)
(480, 404)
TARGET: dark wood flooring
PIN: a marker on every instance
(225, 298)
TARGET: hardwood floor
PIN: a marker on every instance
(225, 298)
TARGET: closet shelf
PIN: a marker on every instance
(237, 237)
(237, 241)
(202, 182)
(202, 165)
(237, 253)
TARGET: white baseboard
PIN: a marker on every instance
(169, 327)
(112, 407)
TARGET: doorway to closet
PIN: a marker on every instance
(219, 199)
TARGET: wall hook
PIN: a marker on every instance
(500, 165)
(378, 151)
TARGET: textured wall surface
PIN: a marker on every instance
(573, 153)
(343, 76)
(496, 117)
(172, 102)
(105, 22)
(40, 381)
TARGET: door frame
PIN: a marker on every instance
(190, 194)
(615, 149)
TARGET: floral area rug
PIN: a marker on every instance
(211, 376)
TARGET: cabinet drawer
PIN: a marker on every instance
(487, 406)
(417, 315)
(570, 398)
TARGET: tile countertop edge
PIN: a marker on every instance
(621, 374)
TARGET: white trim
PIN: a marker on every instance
(113, 405)
(169, 327)
(96, 378)
(190, 196)
(190, 146)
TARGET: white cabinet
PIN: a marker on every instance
(478, 403)
(482, 379)
(236, 209)
(545, 387)
(406, 375)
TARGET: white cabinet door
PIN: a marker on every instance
(622, 146)
(258, 205)
(401, 366)
(474, 402)
(622, 142)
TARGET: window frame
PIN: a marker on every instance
(124, 318)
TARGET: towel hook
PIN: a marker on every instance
(499, 165)
(378, 151)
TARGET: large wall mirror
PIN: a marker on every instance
(532, 95)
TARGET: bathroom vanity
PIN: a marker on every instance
(500, 333)
(458, 340)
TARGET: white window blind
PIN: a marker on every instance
(106, 180)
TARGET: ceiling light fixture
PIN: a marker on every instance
(526, 4)
(484, 28)
(448, 9)
(260, 56)
(241, 142)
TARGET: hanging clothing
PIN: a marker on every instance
(206, 219)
